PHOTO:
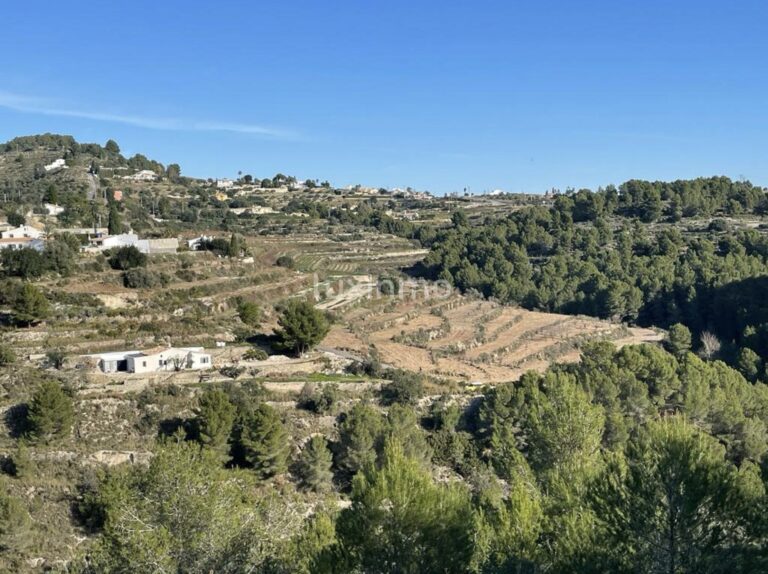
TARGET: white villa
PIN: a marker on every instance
(143, 175)
(225, 183)
(154, 360)
(23, 231)
(21, 237)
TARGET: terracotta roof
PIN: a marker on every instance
(16, 239)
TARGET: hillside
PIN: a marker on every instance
(313, 371)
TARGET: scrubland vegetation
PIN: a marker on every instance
(591, 398)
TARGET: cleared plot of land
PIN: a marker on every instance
(463, 339)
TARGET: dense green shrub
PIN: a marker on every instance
(319, 399)
(128, 257)
(285, 261)
(388, 285)
(7, 356)
(254, 354)
(404, 387)
(29, 304)
(26, 263)
(140, 278)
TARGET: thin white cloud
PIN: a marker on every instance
(34, 105)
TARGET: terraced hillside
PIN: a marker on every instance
(463, 339)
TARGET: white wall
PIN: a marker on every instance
(23, 231)
(166, 361)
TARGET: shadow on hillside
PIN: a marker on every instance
(170, 427)
(726, 311)
(17, 421)
(418, 271)
(737, 305)
(270, 344)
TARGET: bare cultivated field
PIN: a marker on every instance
(463, 339)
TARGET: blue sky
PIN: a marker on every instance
(521, 96)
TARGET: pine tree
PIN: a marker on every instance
(314, 465)
(678, 339)
(301, 326)
(112, 147)
(308, 552)
(507, 525)
(249, 313)
(50, 412)
(215, 416)
(675, 504)
(749, 364)
(186, 513)
(262, 441)
(400, 520)
(360, 438)
(563, 427)
(403, 427)
(21, 464)
(51, 194)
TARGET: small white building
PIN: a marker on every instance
(170, 359)
(143, 175)
(53, 209)
(154, 360)
(22, 232)
(225, 183)
(103, 242)
(58, 164)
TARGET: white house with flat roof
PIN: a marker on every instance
(154, 360)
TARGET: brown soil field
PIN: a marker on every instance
(516, 340)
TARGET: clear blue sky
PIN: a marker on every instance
(521, 96)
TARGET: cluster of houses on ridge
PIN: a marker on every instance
(98, 240)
